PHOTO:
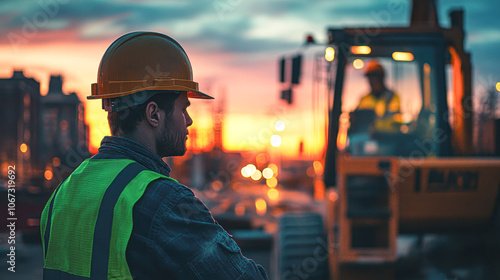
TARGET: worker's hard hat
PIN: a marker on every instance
(147, 63)
(374, 68)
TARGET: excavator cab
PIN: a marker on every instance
(415, 65)
(412, 75)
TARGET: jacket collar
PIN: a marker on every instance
(120, 147)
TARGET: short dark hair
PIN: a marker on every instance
(126, 120)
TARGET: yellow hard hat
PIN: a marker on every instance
(374, 68)
(142, 62)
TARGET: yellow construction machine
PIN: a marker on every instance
(420, 178)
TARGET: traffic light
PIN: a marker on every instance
(286, 94)
(294, 72)
(296, 69)
(282, 69)
(310, 39)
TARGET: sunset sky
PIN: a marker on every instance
(233, 45)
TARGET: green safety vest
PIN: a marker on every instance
(87, 222)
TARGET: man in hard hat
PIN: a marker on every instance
(383, 101)
(378, 111)
(119, 215)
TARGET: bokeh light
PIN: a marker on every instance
(56, 162)
(273, 194)
(239, 209)
(216, 186)
(245, 172)
(257, 175)
(402, 56)
(260, 206)
(48, 174)
(23, 148)
(361, 50)
(329, 54)
(318, 167)
(310, 171)
(252, 168)
(275, 140)
(274, 168)
(267, 173)
(333, 196)
(358, 63)
(279, 125)
(262, 158)
(272, 182)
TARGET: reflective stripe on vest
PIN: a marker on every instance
(87, 222)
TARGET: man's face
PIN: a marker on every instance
(171, 140)
(376, 83)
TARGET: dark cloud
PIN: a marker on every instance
(141, 14)
(482, 39)
(225, 25)
(78, 14)
(478, 14)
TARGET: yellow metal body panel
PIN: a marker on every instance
(424, 195)
(446, 193)
(354, 166)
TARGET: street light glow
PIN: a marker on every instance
(261, 206)
(333, 196)
(275, 140)
(279, 125)
(56, 162)
(273, 194)
(329, 54)
(402, 56)
(361, 50)
(267, 173)
(48, 175)
(257, 175)
(272, 182)
(245, 172)
(358, 64)
(318, 167)
(262, 158)
(274, 168)
(251, 168)
(23, 148)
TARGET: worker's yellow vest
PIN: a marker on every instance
(387, 111)
(379, 105)
(87, 222)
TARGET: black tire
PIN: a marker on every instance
(302, 247)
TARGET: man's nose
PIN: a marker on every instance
(189, 121)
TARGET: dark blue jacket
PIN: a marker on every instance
(174, 234)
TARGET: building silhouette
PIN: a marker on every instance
(64, 134)
(19, 126)
(45, 137)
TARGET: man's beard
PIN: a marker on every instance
(172, 141)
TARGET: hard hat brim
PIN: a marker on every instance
(198, 95)
(123, 88)
(120, 103)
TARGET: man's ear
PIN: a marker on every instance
(153, 114)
